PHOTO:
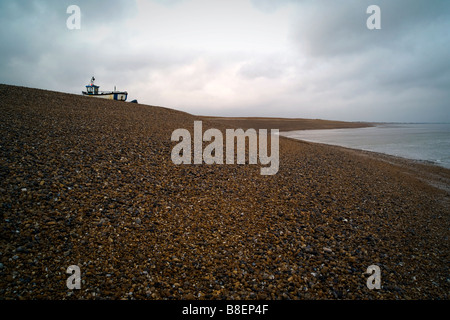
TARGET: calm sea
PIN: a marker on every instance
(427, 142)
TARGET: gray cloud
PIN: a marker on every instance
(272, 67)
(329, 28)
(286, 58)
(403, 64)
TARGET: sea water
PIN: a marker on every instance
(417, 141)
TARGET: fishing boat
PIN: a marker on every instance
(92, 91)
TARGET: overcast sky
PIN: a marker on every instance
(303, 59)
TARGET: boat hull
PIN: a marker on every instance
(120, 96)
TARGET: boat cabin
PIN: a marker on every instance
(92, 89)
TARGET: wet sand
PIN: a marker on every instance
(90, 182)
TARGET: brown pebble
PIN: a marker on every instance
(100, 191)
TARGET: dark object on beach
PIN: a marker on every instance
(134, 101)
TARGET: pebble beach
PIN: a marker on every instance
(90, 182)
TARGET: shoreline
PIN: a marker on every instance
(429, 172)
(292, 135)
(320, 124)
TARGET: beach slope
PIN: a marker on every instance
(91, 183)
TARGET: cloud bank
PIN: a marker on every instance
(310, 59)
